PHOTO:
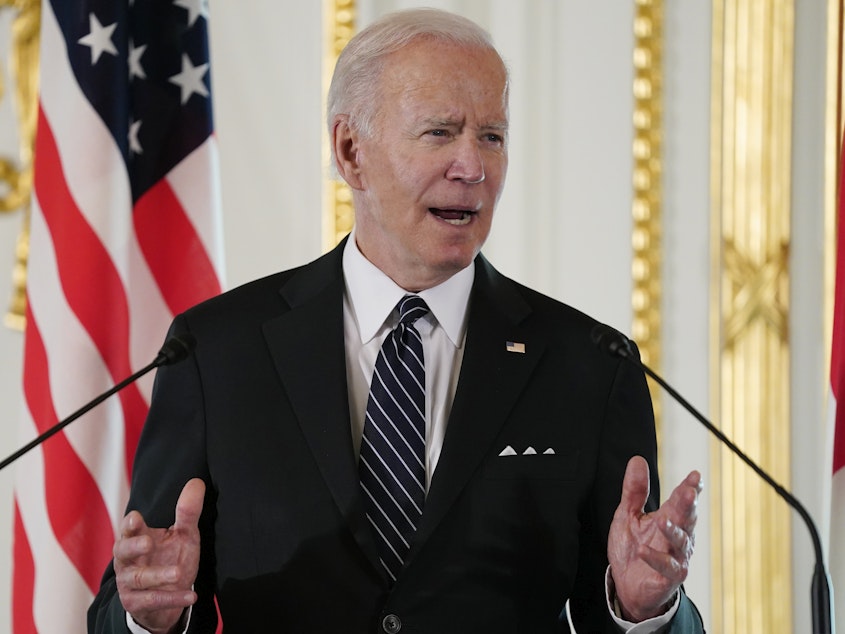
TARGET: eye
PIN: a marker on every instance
(496, 139)
(438, 132)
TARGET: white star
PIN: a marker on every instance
(134, 143)
(135, 68)
(195, 9)
(99, 39)
(190, 79)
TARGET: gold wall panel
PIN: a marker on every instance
(16, 174)
(648, 192)
(751, 188)
(338, 212)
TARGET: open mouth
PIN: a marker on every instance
(457, 217)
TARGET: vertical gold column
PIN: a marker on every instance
(751, 189)
(648, 192)
(338, 214)
(16, 175)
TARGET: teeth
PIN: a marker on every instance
(453, 217)
(463, 220)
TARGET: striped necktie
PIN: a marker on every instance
(392, 458)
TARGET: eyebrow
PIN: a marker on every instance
(500, 126)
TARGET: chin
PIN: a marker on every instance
(449, 259)
(453, 265)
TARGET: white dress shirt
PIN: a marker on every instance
(369, 315)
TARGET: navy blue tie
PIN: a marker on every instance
(392, 458)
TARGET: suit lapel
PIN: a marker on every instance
(306, 343)
(491, 380)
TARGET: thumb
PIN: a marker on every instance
(635, 486)
(189, 504)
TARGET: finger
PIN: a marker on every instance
(673, 569)
(147, 600)
(132, 524)
(694, 480)
(682, 505)
(142, 578)
(189, 504)
(681, 543)
(131, 549)
(635, 486)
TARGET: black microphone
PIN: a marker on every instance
(615, 343)
(175, 349)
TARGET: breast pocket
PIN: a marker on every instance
(557, 466)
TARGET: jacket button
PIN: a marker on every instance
(391, 624)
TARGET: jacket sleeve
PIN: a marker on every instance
(628, 430)
(170, 452)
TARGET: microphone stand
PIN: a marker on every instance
(619, 345)
(174, 349)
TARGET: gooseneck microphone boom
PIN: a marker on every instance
(615, 343)
(175, 349)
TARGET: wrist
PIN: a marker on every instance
(640, 616)
(178, 627)
(624, 609)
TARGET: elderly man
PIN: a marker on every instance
(396, 437)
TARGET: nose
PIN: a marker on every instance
(467, 164)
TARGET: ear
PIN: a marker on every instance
(345, 145)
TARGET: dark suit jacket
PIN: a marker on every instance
(260, 412)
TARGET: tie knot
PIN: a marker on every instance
(411, 308)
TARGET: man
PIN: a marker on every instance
(503, 516)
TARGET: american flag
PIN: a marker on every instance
(126, 231)
(836, 550)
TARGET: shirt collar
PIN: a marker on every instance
(373, 296)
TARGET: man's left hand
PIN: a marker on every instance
(649, 553)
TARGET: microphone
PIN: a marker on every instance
(174, 350)
(615, 343)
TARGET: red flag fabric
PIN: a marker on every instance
(126, 231)
(836, 546)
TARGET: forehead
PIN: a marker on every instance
(443, 73)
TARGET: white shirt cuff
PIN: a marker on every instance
(644, 627)
(134, 628)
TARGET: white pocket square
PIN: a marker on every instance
(529, 451)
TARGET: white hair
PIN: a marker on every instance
(354, 86)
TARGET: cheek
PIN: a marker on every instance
(399, 173)
(497, 170)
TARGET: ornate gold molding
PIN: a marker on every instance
(16, 175)
(648, 191)
(338, 213)
(751, 110)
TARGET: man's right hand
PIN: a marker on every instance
(155, 568)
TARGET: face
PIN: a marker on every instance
(426, 181)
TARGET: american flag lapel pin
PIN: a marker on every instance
(515, 346)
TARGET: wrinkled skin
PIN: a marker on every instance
(649, 553)
(155, 568)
